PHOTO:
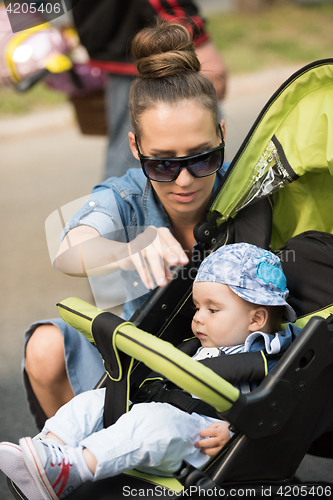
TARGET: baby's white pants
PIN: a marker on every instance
(151, 437)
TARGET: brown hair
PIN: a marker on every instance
(169, 71)
(275, 317)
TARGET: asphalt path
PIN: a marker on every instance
(45, 164)
(40, 173)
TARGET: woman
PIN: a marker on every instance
(174, 114)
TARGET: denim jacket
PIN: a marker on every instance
(121, 208)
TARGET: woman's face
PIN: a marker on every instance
(183, 129)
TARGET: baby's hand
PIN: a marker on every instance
(216, 436)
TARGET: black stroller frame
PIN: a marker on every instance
(304, 371)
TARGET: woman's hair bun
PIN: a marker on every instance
(164, 50)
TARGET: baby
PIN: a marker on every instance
(240, 297)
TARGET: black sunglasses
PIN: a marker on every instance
(168, 169)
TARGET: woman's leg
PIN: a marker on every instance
(59, 363)
(46, 368)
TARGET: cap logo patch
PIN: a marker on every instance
(272, 274)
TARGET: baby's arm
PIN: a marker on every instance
(215, 437)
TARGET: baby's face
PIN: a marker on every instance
(221, 318)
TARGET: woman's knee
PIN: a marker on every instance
(45, 353)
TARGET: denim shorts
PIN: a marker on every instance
(84, 364)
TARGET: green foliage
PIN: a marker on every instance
(40, 96)
(285, 33)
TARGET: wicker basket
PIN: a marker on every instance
(90, 112)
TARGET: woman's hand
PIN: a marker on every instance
(215, 437)
(84, 252)
(152, 252)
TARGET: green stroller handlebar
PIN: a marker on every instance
(157, 354)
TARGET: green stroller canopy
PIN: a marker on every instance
(287, 147)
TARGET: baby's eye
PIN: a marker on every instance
(213, 310)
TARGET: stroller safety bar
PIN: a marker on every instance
(157, 354)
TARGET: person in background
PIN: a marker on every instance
(106, 29)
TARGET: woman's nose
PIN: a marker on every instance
(184, 178)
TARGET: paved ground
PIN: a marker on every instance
(40, 172)
(46, 163)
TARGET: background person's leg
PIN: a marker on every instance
(119, 157)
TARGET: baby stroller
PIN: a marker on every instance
(277, 193)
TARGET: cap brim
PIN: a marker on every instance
(265, 299)
(289, 313)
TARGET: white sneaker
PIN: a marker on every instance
(13, 466)
(53, 466)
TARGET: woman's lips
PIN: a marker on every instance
(185, 197)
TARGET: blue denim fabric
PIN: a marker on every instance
(129, 201)
(83, 361)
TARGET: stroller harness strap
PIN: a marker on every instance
(162, 391)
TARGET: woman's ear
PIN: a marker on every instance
(132, 144)
(259, 319)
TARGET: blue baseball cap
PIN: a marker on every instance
(252, 273)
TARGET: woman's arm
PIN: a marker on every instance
(84, 251)
(214, 67)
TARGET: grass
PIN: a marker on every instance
(39, 97)
(286, 33)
